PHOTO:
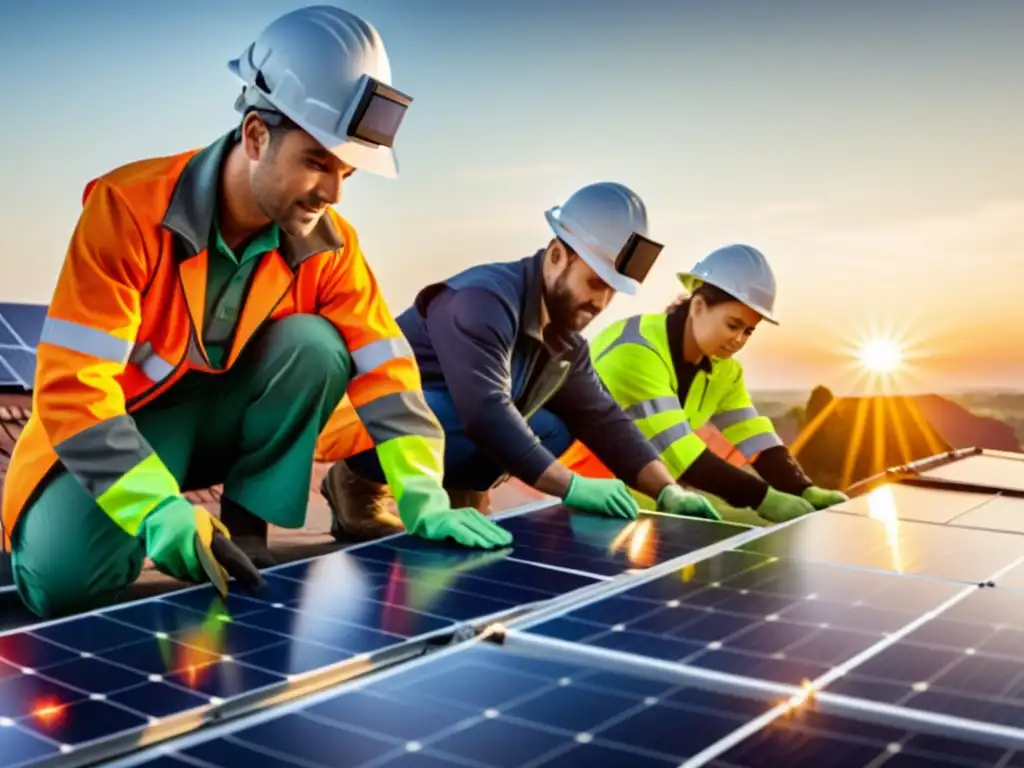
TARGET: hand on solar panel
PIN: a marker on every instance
(188, 543)
(779, 507)
(465, 525)
(677, 501)
(821, 498)
(601, 495)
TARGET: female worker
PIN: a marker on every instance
(674, 371)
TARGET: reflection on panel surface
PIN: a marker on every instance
(886, 543)
(748, 614)
(606, 545)
(910, 502)
(810, 739)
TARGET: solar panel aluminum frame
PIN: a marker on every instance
(271, 697)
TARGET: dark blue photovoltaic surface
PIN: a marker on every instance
(968, 662)
(25, 320)
(113, 670)
(810, 739)
(899, 546)
(20, 329)
(748, 614)
(600, 545)
(492, 707)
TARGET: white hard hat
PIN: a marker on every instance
(741, 271)
(327, 71)
(606, 224)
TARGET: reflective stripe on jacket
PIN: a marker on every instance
(126, 323)
(633, 358)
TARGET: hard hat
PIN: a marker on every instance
(741, 271)
(606, 224)
(327, 71)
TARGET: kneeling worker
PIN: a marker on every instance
(211, 312)
(508, 374)
(673, 372)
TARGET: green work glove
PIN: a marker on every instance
(677, 501)
(779, 507)
(604, 496)
(820, 498)
(427, 513)
(188, 543)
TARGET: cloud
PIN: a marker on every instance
(509, 172)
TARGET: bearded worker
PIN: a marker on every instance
(509, 376)
(211, 313)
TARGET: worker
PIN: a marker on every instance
(211, 312)
(508, 374)
(674, 371)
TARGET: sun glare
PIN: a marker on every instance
(881, 356)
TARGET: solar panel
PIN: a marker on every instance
(992, 469)
(915, 503)
(164, 662)
(886, 543)
(967, 662)
(21, 326)
(481, 705)
(752, 615)
(702, 651)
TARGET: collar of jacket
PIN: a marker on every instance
(559, 342)
(194, 201)
(675, 325)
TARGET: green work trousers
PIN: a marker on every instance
(253, 428)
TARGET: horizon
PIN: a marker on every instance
(861, 147)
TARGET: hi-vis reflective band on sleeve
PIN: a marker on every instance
(663, 421)
(85, 339)
(398, 415)
(378, 353)
(745, 428)
(102, 345)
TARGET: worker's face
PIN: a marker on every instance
(724, 329)
(574, 294)
(294, 179)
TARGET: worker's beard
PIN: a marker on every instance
(567, 313)
(267, 181)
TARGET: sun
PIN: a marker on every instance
(881, 356)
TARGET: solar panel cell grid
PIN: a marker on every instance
(810, 739)
(753, 615)
(967, 662)
(484, 706)
(95, 676)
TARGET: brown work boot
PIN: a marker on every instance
(361, 508)
(478, 500)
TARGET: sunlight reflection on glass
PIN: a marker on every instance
(882, 507)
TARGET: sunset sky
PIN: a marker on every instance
(871, 149)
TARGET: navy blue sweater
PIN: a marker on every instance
(478, 334)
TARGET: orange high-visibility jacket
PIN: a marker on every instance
(126, 323)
